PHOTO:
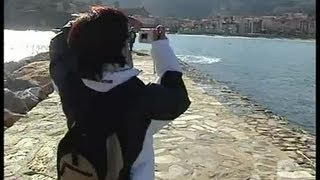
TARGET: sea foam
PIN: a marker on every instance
(198, 59)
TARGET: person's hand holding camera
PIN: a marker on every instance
(159, 33)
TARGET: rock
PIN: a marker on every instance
(197, 127)
(257, 116)
(262, 129)
(189, 117)
(264, 168)
(39, 57)
(290, 140)
(312, 147)
(37, 72)
(6, 76)
(290, 148)
(282, 122)
(245, 98)
(272, 122)
(254, 177)
(300, 161)
(48, 88)
(275, 117)
(188, 134)
(16, 84)
(268, 111)
(311, 154)
(292, 154)
(174, 172)
(159, 151)
(37, 92)
(287, 165)
(211, 123)
(239, 135)
(10, 118)
(30, 96)
(303, 175)
(14, 103)
(12, 66)
(252, 122)
(230, 163)
(174, 139)
(166, 159)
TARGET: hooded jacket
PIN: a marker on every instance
(122, 103)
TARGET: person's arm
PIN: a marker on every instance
(58, 51)
(169, 98)
(165, 100)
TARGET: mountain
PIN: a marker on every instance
(48, 13)
(204, 8)
(124, 3)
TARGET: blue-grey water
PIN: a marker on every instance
(277, 73)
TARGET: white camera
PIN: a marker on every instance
(145, 36)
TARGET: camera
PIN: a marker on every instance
(145, 36)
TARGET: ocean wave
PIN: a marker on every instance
(198, 59)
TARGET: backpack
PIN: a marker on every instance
(80, 155)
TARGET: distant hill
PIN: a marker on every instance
(204, 8)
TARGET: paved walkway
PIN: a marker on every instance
(207, 142)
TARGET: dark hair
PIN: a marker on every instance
(98, 38)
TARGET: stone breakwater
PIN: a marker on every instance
(26, 83)
(209, 141)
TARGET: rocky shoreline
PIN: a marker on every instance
(26, 83)
(296, 142)
(226, 95)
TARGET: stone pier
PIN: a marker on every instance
(208, 141)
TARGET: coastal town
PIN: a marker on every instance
(287, 25)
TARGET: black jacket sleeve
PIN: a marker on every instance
(168, 100)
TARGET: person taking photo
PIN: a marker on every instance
(106, 104)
